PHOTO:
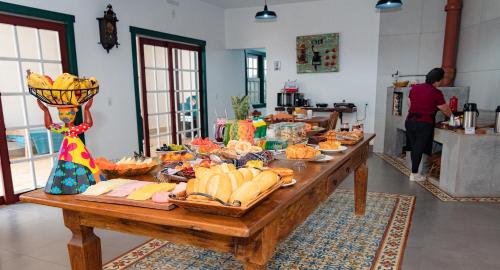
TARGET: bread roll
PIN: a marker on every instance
(265, 180)
(200, 171)
(236, 179)
(255, 171)
(215, 169)
(226, 167)
(282, 172)
(191, 185)
(219, 186)
(287, 179)
(247, 174)
(246, 193)
(202, 185)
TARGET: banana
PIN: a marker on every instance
(63, 81)
(48, 95)
(85, 84)
(93, 82)
(64, 97)
(74, 92)
(38, 81)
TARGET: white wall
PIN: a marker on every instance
(411, 41)
(478, 63)
(115, 130)
(358, 25)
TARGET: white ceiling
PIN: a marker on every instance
(226, 4)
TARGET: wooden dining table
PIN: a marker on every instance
(320, 121)
(252, 238)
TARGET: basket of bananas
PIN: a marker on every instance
(66, 91)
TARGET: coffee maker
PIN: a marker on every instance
(295, 99)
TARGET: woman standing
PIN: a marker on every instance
(75, 169)
(424, 101)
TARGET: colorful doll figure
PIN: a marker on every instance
(75, 169)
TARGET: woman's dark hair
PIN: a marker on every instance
(435, 75)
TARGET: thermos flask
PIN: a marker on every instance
(470, 117)
(497, 120)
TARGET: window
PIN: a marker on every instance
(41, 45)
(256, 73)
(171, 92)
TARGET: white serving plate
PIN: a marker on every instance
(289, 184)
(341, 149)
(323, 158)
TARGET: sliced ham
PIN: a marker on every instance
(125, 190)
(105, 186)
(163, 196)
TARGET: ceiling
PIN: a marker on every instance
(226, 4)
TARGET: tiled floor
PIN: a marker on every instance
(444, 235)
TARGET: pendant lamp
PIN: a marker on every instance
(265, 14)
(388, 4)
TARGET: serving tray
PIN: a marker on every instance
(350, 142)
(125, 201)
(213, 207)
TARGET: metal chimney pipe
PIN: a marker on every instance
(450, 47)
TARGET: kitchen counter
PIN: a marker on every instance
(469, 163)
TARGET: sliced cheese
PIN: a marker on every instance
(146, 192)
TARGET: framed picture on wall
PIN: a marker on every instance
(318, 53)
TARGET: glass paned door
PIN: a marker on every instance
(187, 94)
(170, 92)
(156, 93)
(40, 47)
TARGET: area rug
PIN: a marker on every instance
(331, 238)
(429, 186)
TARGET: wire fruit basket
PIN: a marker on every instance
(64, 98)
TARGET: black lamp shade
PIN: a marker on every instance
(266, 14)
(387, 4)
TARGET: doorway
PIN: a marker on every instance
(171, 91)
(256, 75)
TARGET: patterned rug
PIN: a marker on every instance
(331, 238)
(429, 186)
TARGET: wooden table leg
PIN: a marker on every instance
(255, 252)
(360, 187)
(84, 247)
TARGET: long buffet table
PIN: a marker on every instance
(252, 237)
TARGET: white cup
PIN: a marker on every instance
(309, 113)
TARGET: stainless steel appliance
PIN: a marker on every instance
(497, 120)
(290, 99)
(470, 115)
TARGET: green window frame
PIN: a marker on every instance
(39, 14)
(260, 78)
(136, 32)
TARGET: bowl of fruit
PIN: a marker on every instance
(176, 171)
(126, 167)
(66, 90)
(203, 146)
(172, 148)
